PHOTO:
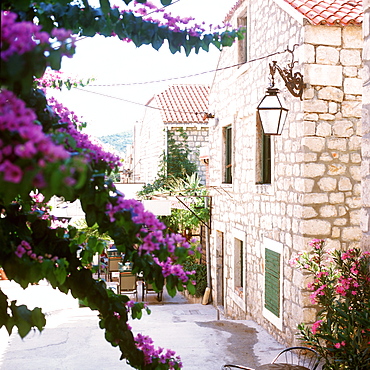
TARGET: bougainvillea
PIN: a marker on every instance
(44, 153)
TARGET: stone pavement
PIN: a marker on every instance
(72, 339)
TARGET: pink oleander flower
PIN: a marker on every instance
(316, 326)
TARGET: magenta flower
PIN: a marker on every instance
(11, 172)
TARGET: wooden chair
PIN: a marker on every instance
(302, 356)
(127, 283)
(148, 288)
(112, 266)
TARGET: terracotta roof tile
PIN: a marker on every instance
(329, 12)
(183, 104)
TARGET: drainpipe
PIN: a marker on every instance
(207, 293)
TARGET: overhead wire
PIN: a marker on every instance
(187, 76)
(170, 79)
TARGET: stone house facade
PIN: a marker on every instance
(365, 217)
(179, 106)
(272, 194)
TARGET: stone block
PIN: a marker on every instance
(306, 54)
(316, 227)
(336, 198)
(343, 129)
(355, 217)
(350, 57)
(352, 37)
(354, 143)
(309, 212)
(311, 117)
(327, 184)
(352, 109)
(328, 211)
(331, 93)
(323, 129)
(323, 75)
(335, 169)
(344, 184)
(353, 86)
(351, 234)
(323, 35)
(333, 107)
(309, 127)
(313, 169)
(326, 157)
(355, 172)
(315, 106)
(350, 71)
(337, 144)
(327, 55)
(315, 144)
(335, 232)
(327, 117)
(315, 198)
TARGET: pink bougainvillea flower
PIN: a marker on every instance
(11, 172)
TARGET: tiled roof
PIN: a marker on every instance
(183, 104)
(330, 12)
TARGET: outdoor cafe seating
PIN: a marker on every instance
(292, 358)
(127, 283)
(148, 288)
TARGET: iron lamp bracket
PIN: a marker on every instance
(293, 81)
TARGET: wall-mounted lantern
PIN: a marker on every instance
(272, 110)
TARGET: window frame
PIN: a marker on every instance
(276, 247)
(227, 160)
(264, 156)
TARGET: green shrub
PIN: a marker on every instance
(200, 275)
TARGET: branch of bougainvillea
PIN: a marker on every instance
(27, 50)
(129, 25)
(58, 79)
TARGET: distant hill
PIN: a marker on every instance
(118, 141)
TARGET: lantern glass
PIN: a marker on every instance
(272, 112)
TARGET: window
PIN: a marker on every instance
(273, 284)
(227, 160)
(272, 281)
(263, 156)
(239, 274)
(243, 50)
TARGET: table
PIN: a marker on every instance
(278, 366)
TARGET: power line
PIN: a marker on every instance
(136, 103)
(169, 79)
(187, 76)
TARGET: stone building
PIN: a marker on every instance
(366, 130)
(272, 194)
(179, 106)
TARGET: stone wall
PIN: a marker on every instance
(315, 188)
(331, 142)
(197, 138)
(365, 219)
(149, 143)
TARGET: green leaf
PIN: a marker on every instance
(166, 2)
(105, 6)
(38, 318)
(55, 59)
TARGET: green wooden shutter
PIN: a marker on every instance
(228, 155)
(272, 281)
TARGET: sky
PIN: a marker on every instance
(112, 61)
